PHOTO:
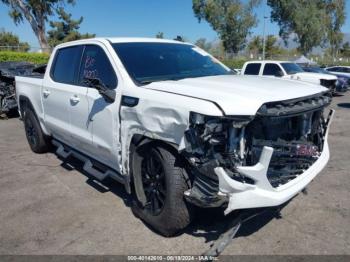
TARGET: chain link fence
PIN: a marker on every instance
(25, 48)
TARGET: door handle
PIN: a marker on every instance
(46, 93)
(75, 99)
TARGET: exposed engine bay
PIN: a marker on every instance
(7, 94)
(295, 129)
(8, 71)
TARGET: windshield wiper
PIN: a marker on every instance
(147, 82)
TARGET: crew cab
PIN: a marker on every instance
(176, 126)
(288, 70)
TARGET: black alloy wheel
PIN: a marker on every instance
(31, 133)
(154, 183)
(159, 171)
(37, 140)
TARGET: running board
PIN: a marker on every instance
(65, 152)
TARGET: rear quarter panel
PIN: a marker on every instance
(30, 88)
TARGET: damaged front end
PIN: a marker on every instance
(8, 72)
(7, 94)
(233, 155)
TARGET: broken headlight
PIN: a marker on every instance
(210, 135)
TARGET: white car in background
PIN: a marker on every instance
(339, 70)
(288, 70)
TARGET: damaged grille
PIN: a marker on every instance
(295, 106)
(289, 159)
(295, 129)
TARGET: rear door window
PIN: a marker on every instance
(96, 65)
(252, 69)
(66, 64)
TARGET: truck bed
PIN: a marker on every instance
(35, 80)
(30, 87)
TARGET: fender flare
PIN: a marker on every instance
(23, 103)
(140, 140)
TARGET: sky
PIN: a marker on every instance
(140, 18)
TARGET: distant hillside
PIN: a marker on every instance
(292, 44)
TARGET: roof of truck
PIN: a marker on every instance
(140, 39)
(269, 61)
(121, 40)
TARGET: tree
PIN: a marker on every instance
(335, 10)
(217, 50)
(160, 35)
(12, 42)
(202, 43)
(231, 19)
(306, 19)
(345, 50)
(271, 49)
(66, 29)
(255, 46)
(36, 12)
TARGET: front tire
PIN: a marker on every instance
(37, 140)
(163, 179)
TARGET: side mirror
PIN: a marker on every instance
(279, 73)
(108, 94)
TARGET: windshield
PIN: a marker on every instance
(315, 70)
(291, 68)
(149, 62)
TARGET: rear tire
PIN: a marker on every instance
(37, 140)
(172, 213)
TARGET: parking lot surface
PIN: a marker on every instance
(48, 206)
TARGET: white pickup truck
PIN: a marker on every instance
(288, 70)
(176, 127)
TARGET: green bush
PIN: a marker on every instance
(235, 63)
(36, 58)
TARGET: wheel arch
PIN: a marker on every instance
(138, 140)
(24, 103)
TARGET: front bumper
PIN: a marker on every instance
(262, 194)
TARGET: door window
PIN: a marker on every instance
(96, 65)
(252, 69)
(272, 70)
(344, 70)
(66, 64)
(333, 69)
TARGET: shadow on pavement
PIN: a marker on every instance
(337, 95)
(209, 224)
(344, 105)
(107, 185)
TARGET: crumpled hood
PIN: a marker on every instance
(236, 94)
